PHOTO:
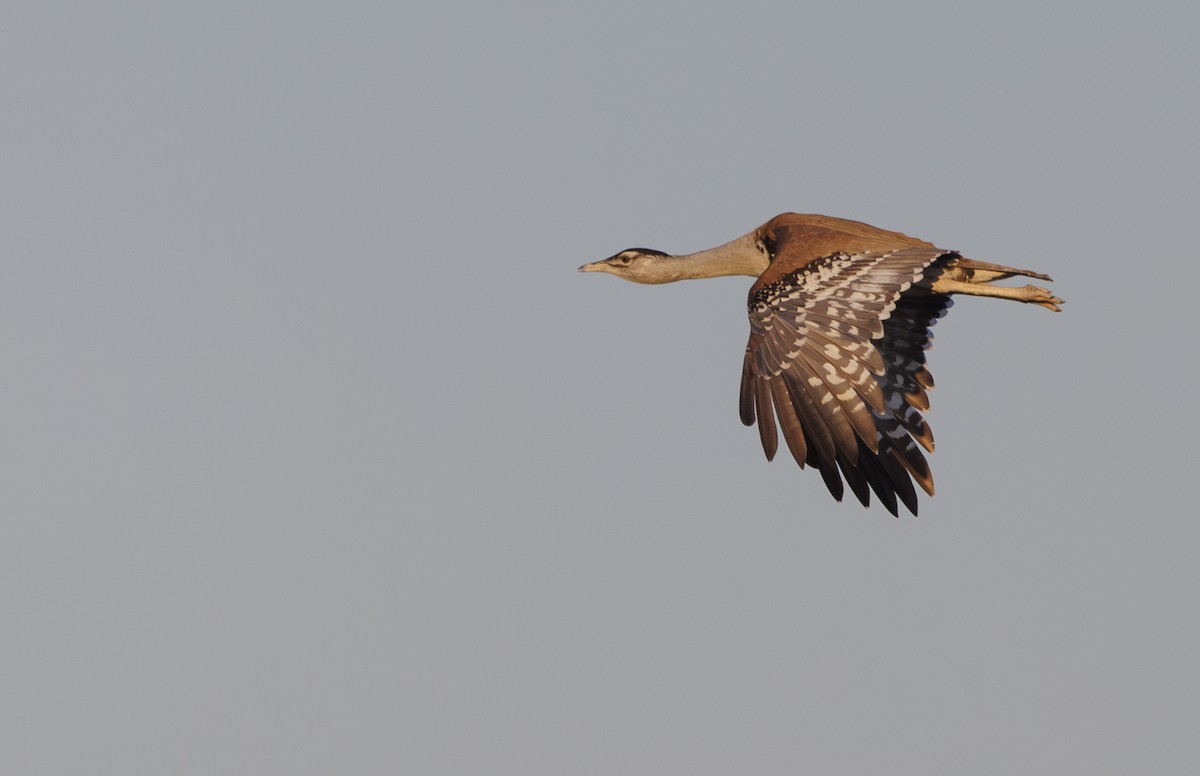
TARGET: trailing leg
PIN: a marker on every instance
(967, 276)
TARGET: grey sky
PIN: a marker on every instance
(321, 458)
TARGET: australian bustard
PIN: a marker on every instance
(839, 324)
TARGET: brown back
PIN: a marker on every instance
(795, 239)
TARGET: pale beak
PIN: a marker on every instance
(596, 266)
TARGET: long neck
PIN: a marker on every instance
(740, 257)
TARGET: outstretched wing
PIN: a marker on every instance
(837, 358)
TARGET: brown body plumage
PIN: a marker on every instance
(839, 324)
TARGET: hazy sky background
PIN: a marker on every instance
(319, 456)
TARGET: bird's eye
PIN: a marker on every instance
(625, 259)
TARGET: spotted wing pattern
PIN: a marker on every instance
(836, 358)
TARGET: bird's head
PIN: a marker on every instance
(641, 265)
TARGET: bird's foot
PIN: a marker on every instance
(1041, 297)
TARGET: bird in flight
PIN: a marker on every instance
(839, 325)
